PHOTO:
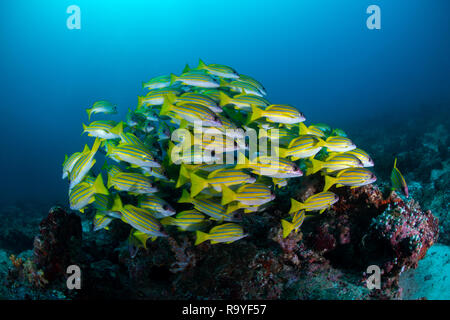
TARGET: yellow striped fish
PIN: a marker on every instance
(131, 182)
(195, 98)
(241, 87)
(135, 154)
(104, 129)
(243, 101)
(69, 162)
(83, 165)
(361, 154)
(317, 202)
(102, 106)
(208, 207)
(100, 221)
(156, 97)
(138, 218)
(297, 221)
(83, 193)
(279, 113)
(305, 146)
(189, 220)
(196, 79)
(254, 194)
(339, 144)
(228, 232)
(219, 178)
(158, 207)
(312, 130)
(130, 138)
(219, 70)
(192, 113)
(353, 177)
(338, 162)
(157, 82)
(254, 83)
(267, 166)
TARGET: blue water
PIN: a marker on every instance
(317, 55)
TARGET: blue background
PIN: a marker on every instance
(317, 55)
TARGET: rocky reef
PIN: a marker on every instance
(326, 260)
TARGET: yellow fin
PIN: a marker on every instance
(296, 206)
(287, 227)
(201, 237)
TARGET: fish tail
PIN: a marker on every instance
(173, 78)
(287, 227)
(171, 98)
(165, 107)
(316, 166)
(118, 129)
(197, 184)
(185, 197)
(84, 128)
(302, 129)
(140, 102)
(223, 99)
(296, 206)
(167, 221)
(183, 177)
(282, 152)
(256, 113)
(329, 182)
(227, 195)
(89, 111)
(117, 205)
(321, 143)
(201, 237)
(99, 187)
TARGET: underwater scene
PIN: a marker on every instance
(225, 150)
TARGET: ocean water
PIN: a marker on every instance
(319, 56)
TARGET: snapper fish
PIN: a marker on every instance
(311, 130)
(196, 79)
(254, 83)
(101, 221)
(279, 113)
(157, 206)
(157, 83)
(397, 180)
(305, 146)
(352, 177)
(243, 101)
(135, 154)
(338, 162)
(362, 156)
(209, 207)
(271, 167)
(138, 218)
(104, 129)
(218, 70)
(339, 144)
(254, 194)
(218, 179)
(84, 164)
(317, 202)
(241, 87)
(156, 97)
(69, 162)
(189, 220)
(228, 233)
(192, 113)
(102, 106)
(83, 193)
(195, 98)
(295, 224)
(131, 182)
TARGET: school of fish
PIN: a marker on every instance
(215, 173)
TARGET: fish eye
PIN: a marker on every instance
(295, 167)
(213, 153)
(235, 143)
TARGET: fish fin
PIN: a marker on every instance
(354, 187)
(96, 145)
(118, 129)
(186, 68)
(228, 195)
(171, 98)
(296, 206)
(302, 129)
(395, 163)
(84, 128)
(117, 205)
(242, 161)
(282, 152)
(201, 237)
(223, 99)
(99, 187)
(89, 111)
(316, 166)
(201, 64)
(173, 78)
(322, 143)
(287, 227)
(65, 159)
(183, 124)
(140, 102)
(185, 197)
(197, 184)
(256, 113)
(322, 211)
(183, 177)
(329, 181)
(165, 109)
(81, 210)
